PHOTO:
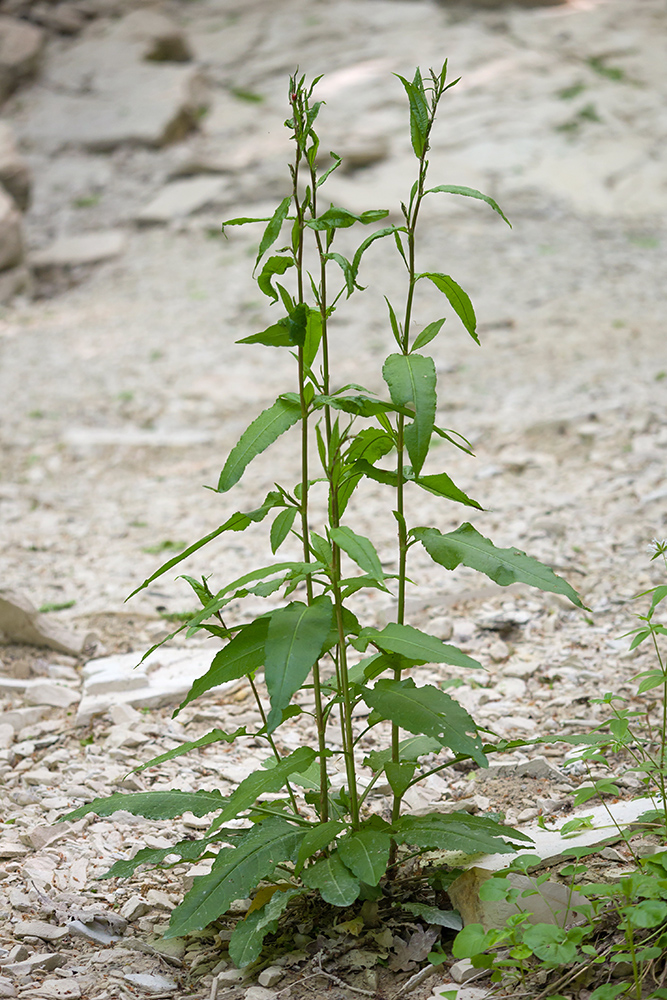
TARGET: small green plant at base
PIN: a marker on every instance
(56, 606)
(319, 838)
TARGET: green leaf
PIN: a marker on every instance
(348, 271)
(360, 549)
(215, 736)
(274, 336)
(246, 942)
(441, 918)
(337, 162)
(313, 337)
(297, 323)
(377, 235)
(457, 832)
(341, 218)
(468, 193)
(470, 942)
(427, 335)
(366, 854)
(335, 881)
(419, 118)
(466, 546)
(418, 646)
(236, 871)
(426, 711)
(411, 379)
(237, 522)
(274, 265)
(294, 643)
(360, 406)
(281, 527)
(399, 777)
(272, 231)
(152, 805)
(186, 850)
(316, 840)
(458, 299)
(409, 750)
(261, 433)
(240, 657)
(370, 444)
(442, 486)
(646, 913)
(264, 782)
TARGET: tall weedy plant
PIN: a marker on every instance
(318, 838)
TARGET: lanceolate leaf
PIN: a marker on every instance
(316, 840)
(237, 522)
(215, 736)
(294, 642)
(458, 299)
(335, 881)
(187, 850)
(240, 657)
(411, 379)
(377, 235)
(360, 549)
(274, 336)
(441, 485)
(366, 853)
(264, 782)
(340, 218)
(418, 646)
(361, 406)
(272, 231)
(418, 112)
(262, 432)
(429, 711)
(153, 805)
(457, 832)
(313, 337)
(281, 527)
(274, 265)
(466, 546)
(370, 444)
(468, 193)
(427, 335)
(411, 749)
(236, 871)
(246, 941)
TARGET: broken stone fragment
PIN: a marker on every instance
(14, 171)
(11, 233)
(158, 38)
(39, 929)
(134, 908)
(21, 48)
(54, 695)
(73, 251)
(548, 904)
(179, 199)
(21, 622)
(151, 983)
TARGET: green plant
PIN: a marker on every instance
(317, 838)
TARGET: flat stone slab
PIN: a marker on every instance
(164, 678)
(20, 621)
(89, 248)
(181, 198)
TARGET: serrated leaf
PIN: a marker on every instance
(457, 832)
(334, 879)
(215, 736)
(272, 231)
(427, 335)
(152, 805)
(360, 549)
(316, 840)
(295, 639)
(240, 657)
(246, 942)
(505, 566)
(261, 433)
(426, 711)
(236, 871)
(418, 646)
(467, 192)
(366, 854)
(458, 299)
(281, 527)
(432, 915)
(274, 265)
(237, 522)
(264, 782)
(411, 379)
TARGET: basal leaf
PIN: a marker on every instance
(458, 299)
(152, 805)
(281, 527)
(261, 433)
(466, 546)
(411, 379)
(418, 646)
(240, 657)
(360, 549)
(457, 832)
(316, 840)
(294, 642)
(246, 942)
(236, 871)
(272, 231)
(186, 850)
(263, 782)
(335, 881)
(366, 853)
(468, 193)
(426, 711)
(215, 736)
(432, 915)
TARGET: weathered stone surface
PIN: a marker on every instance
(548, 904)
(6, 735)
(134, 908)
(14, 171)
(151, 983)
(55, 695)
(270, 976)
(21, 47)
(59, 989)
(38, 929)
(42, 836)
(157, 37)
(46, 961)
(463, 970)
(21, 622)
(72, 251)
(11, 234)
(14, 282)
(7, 989)
(181, 198)
(19, 718)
